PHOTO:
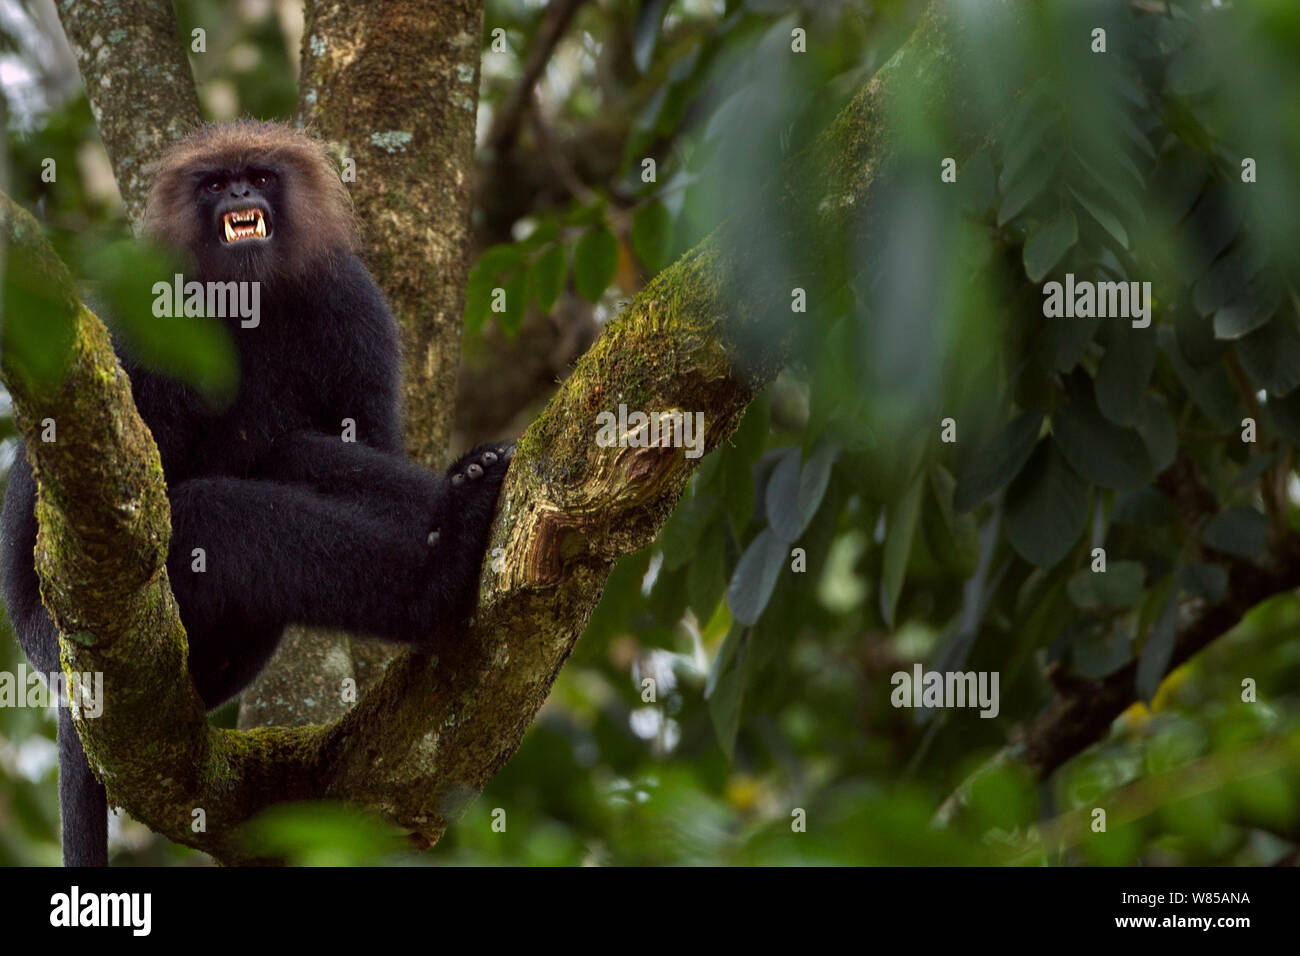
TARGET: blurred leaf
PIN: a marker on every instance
(197, 350)
(1098, 650)
(652, 235)
(38, 326)
(1049, 243)
(1125, 371)
(1158, 649)
(952, 538)
(987, 469)
(900, 525)
(1159, 433)
(1046, 507)
(755, 577)
(795, 490)
(682, 532)
(1209, 387)
(1106, 453)
(1119, 586)
(1270, 356)
(1024, 192)
(594, 261)
(649, 20)
(1240, 530)
(1108, 220)
(324, 834)
(706, 578)
(546, 277)
(1204, 579)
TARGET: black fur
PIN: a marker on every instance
(297, 525)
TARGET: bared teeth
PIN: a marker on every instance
(244, 223)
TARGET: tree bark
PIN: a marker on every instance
(138, 82)
(396, 92)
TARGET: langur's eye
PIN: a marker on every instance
(215, 184)
(262, 179)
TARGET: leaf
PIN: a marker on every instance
(989, 468)
(1065, 341)
(795, 491)
(725, 689)
(1204, 579)
(546, 277)
(594, 260)
(1106, 453)
(1124, 372)
(620, 599)
(1209, 387)
(1240, 318)
(1226, 282)
(736, 471)
(1119, 586)
(1130, 130)
(706, 578)
(953, 539)
(681, 533)
(1240, 530)
(667, 599)
(1049, 243)
(900, 525)
(1097, 651)
(1285, 413)
(978, 183)
(1158, 649)
(1159, 432)
(1270, 356)
(196, 350)
(1196, 338)
(649, 20)
(500, 260)
(755, 576)
(652, 235)
(1046, 507)
(516, 304)
(1104, 216)
(1024, 192)
(38, 324)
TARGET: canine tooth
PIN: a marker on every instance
(230, 233)
(261, 226)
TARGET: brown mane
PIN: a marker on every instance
(318, 207)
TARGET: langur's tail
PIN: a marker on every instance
(82, 800)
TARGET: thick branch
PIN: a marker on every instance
(139, 84)
(395, 88)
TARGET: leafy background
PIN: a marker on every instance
(773, 684)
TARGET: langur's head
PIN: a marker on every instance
(250, 200)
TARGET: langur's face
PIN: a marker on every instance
(251, 201)
(240, 214)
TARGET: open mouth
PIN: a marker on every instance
(244, 224)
